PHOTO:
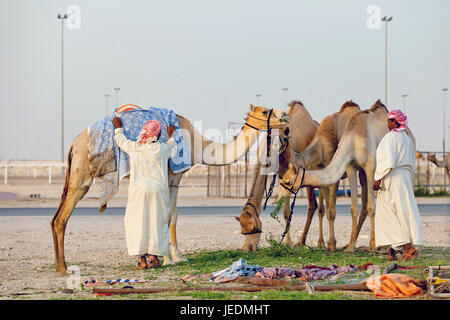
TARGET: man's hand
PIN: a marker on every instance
(170, 130)
(117, 122)
(376, 185)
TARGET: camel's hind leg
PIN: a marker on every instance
(351, 174)
(76, 186)
(364, 198)
(311, 210)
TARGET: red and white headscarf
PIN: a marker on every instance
(400, 117)
(149, 132)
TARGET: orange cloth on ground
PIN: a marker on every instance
(393, 285)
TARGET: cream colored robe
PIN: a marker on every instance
(147, 213)
(397, 217)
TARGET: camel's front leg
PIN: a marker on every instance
(174, 254)
(324, 193)
(311, 210)
(286, 211)
(331, 215)
(351, 174)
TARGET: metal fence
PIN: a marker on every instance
(28, 169)
(235, 180)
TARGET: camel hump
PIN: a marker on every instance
(349, 105)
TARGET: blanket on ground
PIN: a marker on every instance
(305, 273)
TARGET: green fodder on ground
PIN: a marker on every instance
(280, 255)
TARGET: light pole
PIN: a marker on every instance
(386, 20)
(117, 97)
(62, 17)
(444, 90)
(404, 96)
(257, 98)
(285, 92)
(107, 104)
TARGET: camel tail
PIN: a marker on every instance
(336, 168)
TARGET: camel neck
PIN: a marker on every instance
(223, 154)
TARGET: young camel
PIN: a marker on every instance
(319, 154)
(357, 148)
(301, 130)
(79, 177)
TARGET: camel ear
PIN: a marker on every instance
(252, 107)
(291, 166)
(238, 219)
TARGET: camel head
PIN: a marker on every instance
(432, 157)
(250, 227)
(419, 156)
(258, 117)
(291, 180)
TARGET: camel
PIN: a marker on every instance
(203, 151)
(420, 156)
(319, 154)
(441, 163)
(357, 148)
(301, 130)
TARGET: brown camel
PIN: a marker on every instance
(420, 156)
(319, 154)
(441, 163)
(357, 148)
(301, 131)
(79, 179)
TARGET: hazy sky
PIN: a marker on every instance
(207, 59)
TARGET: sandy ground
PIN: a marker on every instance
(96, 245)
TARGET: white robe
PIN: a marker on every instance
(147, 213)
(397, 217)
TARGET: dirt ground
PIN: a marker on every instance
(96, 245)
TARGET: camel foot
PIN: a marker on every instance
(168, 261)
(176, 255)
(299, 245)
(61, 270)
(331, 248)
(287, 242)
(349, 249)
(321, 244)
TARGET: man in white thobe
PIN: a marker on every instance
(397, 217)
(147, 212)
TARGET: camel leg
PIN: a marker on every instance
(77, 184)
(331, 215)
(311, 210)
(286, 210)
(370, 172)
(364, 194)
(351, 174)
(174, 255)
(324, 194)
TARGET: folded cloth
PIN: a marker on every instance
(393, 285)
(238, 268)
(273, 273)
